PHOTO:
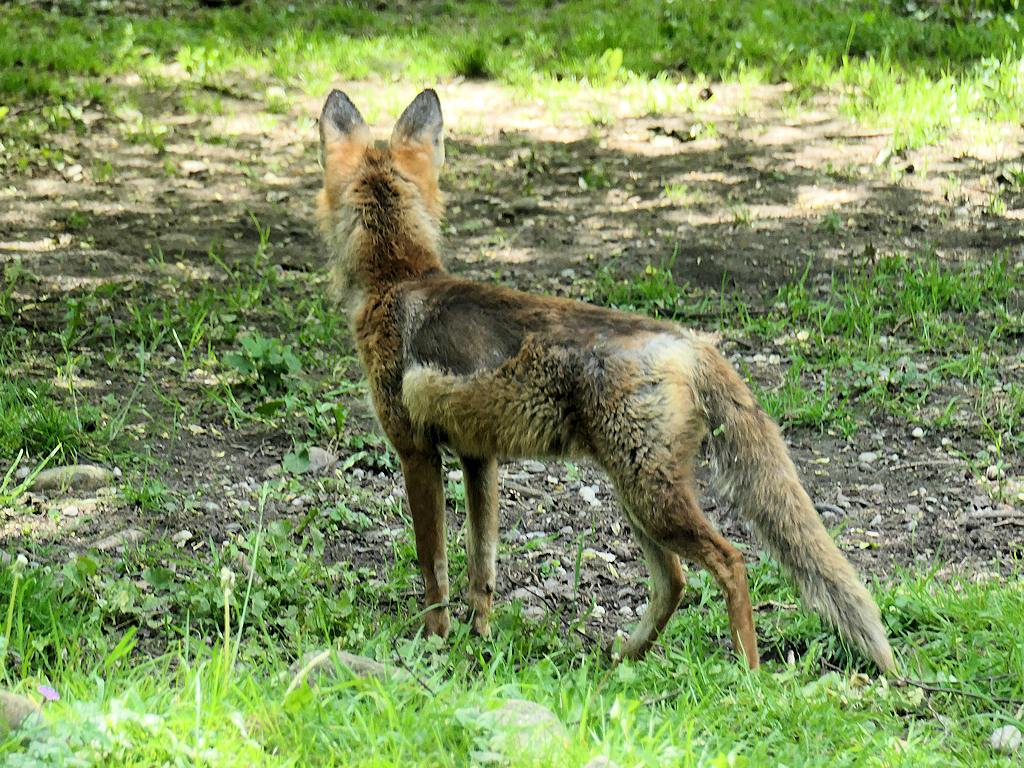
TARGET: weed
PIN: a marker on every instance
(833, 222)
(653, 290)
(268, 360)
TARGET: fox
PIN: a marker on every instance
(486, 372)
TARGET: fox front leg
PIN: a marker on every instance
(425, 490)
(481, 477)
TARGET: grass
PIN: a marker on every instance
(889, 334)
(923, 72)
(159, 660)
(124, 701)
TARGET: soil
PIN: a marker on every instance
(761, 188)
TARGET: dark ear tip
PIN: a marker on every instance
(430, 94)
(336, 99)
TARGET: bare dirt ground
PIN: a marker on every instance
(539, 198)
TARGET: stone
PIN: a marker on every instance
(1006, 738)
(867, 457)
(119, 539)
(520, 726)
(189, 167)
(78, 477)
(918, 433)
(321, 460)
(325, 665)
(18, 710)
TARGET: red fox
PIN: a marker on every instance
(486, 372)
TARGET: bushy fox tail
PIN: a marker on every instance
(752, 468)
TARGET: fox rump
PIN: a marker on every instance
(486, 372)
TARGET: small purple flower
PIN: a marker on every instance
(48, 693)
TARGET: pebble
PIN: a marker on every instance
(536, 467)
(520, 726)
(918, 433)
(15, 709)
(1006, 738)
(119, 539)
(70, 511)
(181, 536)
(598, 611)
(589, 494)
(993, 472)
(77, 476)
(867, 457)
(325, 665)
(321, 460)
(189, 167)
(876, 520)
(22, 473)
(455, 475)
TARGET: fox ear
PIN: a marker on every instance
(421, 124)
(340, 122)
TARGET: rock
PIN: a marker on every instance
(189, 167)
(918, 433)
(522, 726)
(530, 465)
(1006, 738)
(79, 477)
(274, 470)
(867, 457)
(119, 539)
(17, 711)
(993, 472)
(321, 460)
(525, 205)
(326, 665)
(455, 475)
(70, 511)
(181, 537)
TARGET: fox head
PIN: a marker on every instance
(380, 207)
(415, 150)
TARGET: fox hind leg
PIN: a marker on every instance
(425, 489)
(677, 526)
(667, 586)
(481, 478)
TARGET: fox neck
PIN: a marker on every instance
(377, 241)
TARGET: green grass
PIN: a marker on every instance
(857, 348)
(90, 633)
(923, 73)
